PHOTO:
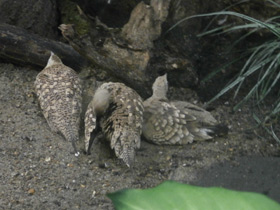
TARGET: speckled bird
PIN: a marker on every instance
(117, 111)
(59, 91)
(176, 122)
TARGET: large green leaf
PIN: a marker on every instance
(171, 195)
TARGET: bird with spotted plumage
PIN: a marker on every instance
(117, 111)
(176, 122)
(59, 92)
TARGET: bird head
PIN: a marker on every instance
(67, 31)
(54, 59)
(101, 101)
(160, 87)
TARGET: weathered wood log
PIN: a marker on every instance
(23, 48)
(132, 77)
(124, 55)
(144, 25)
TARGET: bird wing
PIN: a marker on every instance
(166, 124)
(122, 122)
(90, 125)
(203, 116)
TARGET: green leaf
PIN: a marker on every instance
(271, 27)
(171, 195)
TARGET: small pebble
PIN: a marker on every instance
(175, 65)
(18, 105)
(103, 165)
(31, 191)
(13, 174)
(47, 159)
(93, 194)
(90, 161)
(70, 165)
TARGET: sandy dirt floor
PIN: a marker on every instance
(38, 170)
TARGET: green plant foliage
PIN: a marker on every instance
(261, 56)
(263, 61)
(172, 195)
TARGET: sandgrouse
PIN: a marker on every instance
(178, 122)
(59, 91)
(117, 111)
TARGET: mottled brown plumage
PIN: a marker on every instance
(118, 111)
(178, 122)
(59, 91)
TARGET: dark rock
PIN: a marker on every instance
(37, 16)
(255, 174)
(114, 13)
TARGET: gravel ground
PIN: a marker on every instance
(38, 170)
